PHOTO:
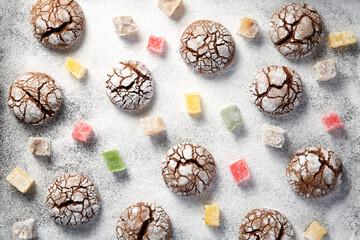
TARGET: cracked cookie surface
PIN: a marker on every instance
(188, 169)
(144, 220)
(129, 85)
(296, 30)
(72, 200)
(34, 98)
(207, 47)
(276, 90)
(314, 172)
(57, 23)
(266, 224)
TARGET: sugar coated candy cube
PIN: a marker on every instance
(113, 161)
(40, 146)
(248, 27)
(24, 229)
(314, 232)
(331, 121)
(152, 125)
(124, 25)
(212, 215)
(21, 180)
(156, 44)
(169, 6)
(240, 171)
(75, 68)
(192, 100)
(341, 39)
(273, 136)
(325, 70)
(81, 131)
(232, 117)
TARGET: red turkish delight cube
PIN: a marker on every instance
(156, 44)
(240, 171)
(81, 131)
(331, 121)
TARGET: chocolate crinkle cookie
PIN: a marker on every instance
(129, 85)
(266, 224)
(144, 220)
(314, 172)
(73, 200)
(34, 98)
(296, 30)
(188, 169)
(57, 23)
(207, 47)
(276, 90)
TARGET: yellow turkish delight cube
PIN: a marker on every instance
(75, 68)
(212, 215)
(341, 39)
(21, 180)
(192, 102)
(248, 27)
(314, 232)
(152, 125)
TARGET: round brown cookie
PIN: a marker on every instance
(296, 30)
(276, 90)
(207, 46)
(265, 224)
(314, 172)
(188, 169)
(129, 85)
(145, 221)
(34, 98)
(57, 23)
(72, 200)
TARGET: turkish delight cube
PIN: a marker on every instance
(325, 70)
(169, 6)
(75, 68)
(331, 121)
(24, 229)
(212, 215)
(192, 100)
(232, 117)
(81, 131)
(156, 44)
(341, 39)
(113, 161)
(240, 171)
(124, 25)
(248, 27)
(152, 125)
(21, 180)
(40, 146)
(315, 232)
(273, 136)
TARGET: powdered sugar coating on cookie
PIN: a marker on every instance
(57, 23)
(129, 85)
(296, 30)
(34, 98)
(72, 200)
(276, 90)
(314, 172)
(207, 46)
(144, 220)
(188, 169)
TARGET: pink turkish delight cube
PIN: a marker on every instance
(156, 44)
(82, 131)
(240, 171)
(331, 121)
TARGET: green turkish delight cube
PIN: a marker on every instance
(114, 161)
(232, 117)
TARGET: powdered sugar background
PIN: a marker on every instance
(99, 50)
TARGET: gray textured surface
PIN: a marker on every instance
(100, 49)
